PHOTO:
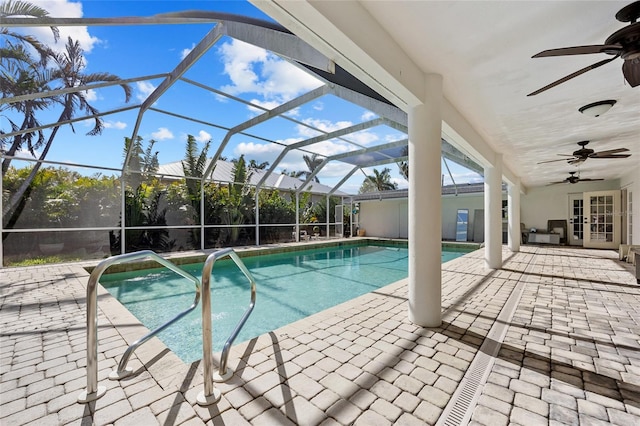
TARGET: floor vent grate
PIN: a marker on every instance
(463, 401)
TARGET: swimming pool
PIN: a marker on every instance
(290, 286)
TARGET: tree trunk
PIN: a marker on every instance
(17, 141)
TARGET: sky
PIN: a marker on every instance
(244, 71)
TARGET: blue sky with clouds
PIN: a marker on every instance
(244, 71)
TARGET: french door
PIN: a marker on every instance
(602, 217)
(576, 215)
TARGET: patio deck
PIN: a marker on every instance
(553, 337)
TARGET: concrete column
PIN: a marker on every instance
(493, 214)
(513, 202)
(425, 207)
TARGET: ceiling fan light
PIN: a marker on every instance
(596, 109)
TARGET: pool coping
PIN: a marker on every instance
(184, 258)
(155, 356)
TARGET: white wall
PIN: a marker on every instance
(388, 218)
(450, 206)
(631, 182)
(552, 202)
(384, 218)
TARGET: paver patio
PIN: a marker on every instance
(553, 337)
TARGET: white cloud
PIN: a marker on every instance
(363, 137)
(368, 115)
(402, 183)
(185, 52)
(64, 9)
(23, 153)
(293, 112)
(460, 177)
(252, 69)
(115, 125)
(318, 106)
(162, 134)
(203, 136)
(269, 105)
(145, 89)
(91, 95)
(324, 125)
(257, 151)
(251, 148)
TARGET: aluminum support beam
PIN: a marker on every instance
(288, 45)
(287, 106)
(316, 139)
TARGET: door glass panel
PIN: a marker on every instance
(601, 225)
(462, 225)
(576, 226)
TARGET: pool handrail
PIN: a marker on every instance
(94, 391)
(210, 394)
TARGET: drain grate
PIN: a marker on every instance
(460, 407)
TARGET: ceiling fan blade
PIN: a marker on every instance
(570, 76)
(561, 159)
(589, 180)
(578, 50)
(577, 161)
(609, 151)
(611, 156)
(631, 71)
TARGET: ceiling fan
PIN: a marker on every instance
(584, 153)
(574, 179)
(624, 43)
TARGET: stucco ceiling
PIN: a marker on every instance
(483, 51)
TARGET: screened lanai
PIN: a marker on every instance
(188, 163)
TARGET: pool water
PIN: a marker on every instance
(290, 286)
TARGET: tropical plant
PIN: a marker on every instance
(194, 165)
(238, 201)
(312, 162)
(378, 182)
(143, 201)
(69, 72)
(143, 162)
(274, 209)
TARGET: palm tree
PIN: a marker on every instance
(378, 182)
(254, 165)
(24, 81)
(239, 202)
(312, 162)
(69, 72)
(143, 162)
(22, 74)
(194, 165)
(23, 9)
(403, 166)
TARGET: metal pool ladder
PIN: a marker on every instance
(211, 395)
(94, 391)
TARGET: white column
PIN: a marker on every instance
(425, 207)
(493, 214)
(513, 202)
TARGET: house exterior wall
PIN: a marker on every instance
(388, 218)
(450, 206)
(384, 218)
